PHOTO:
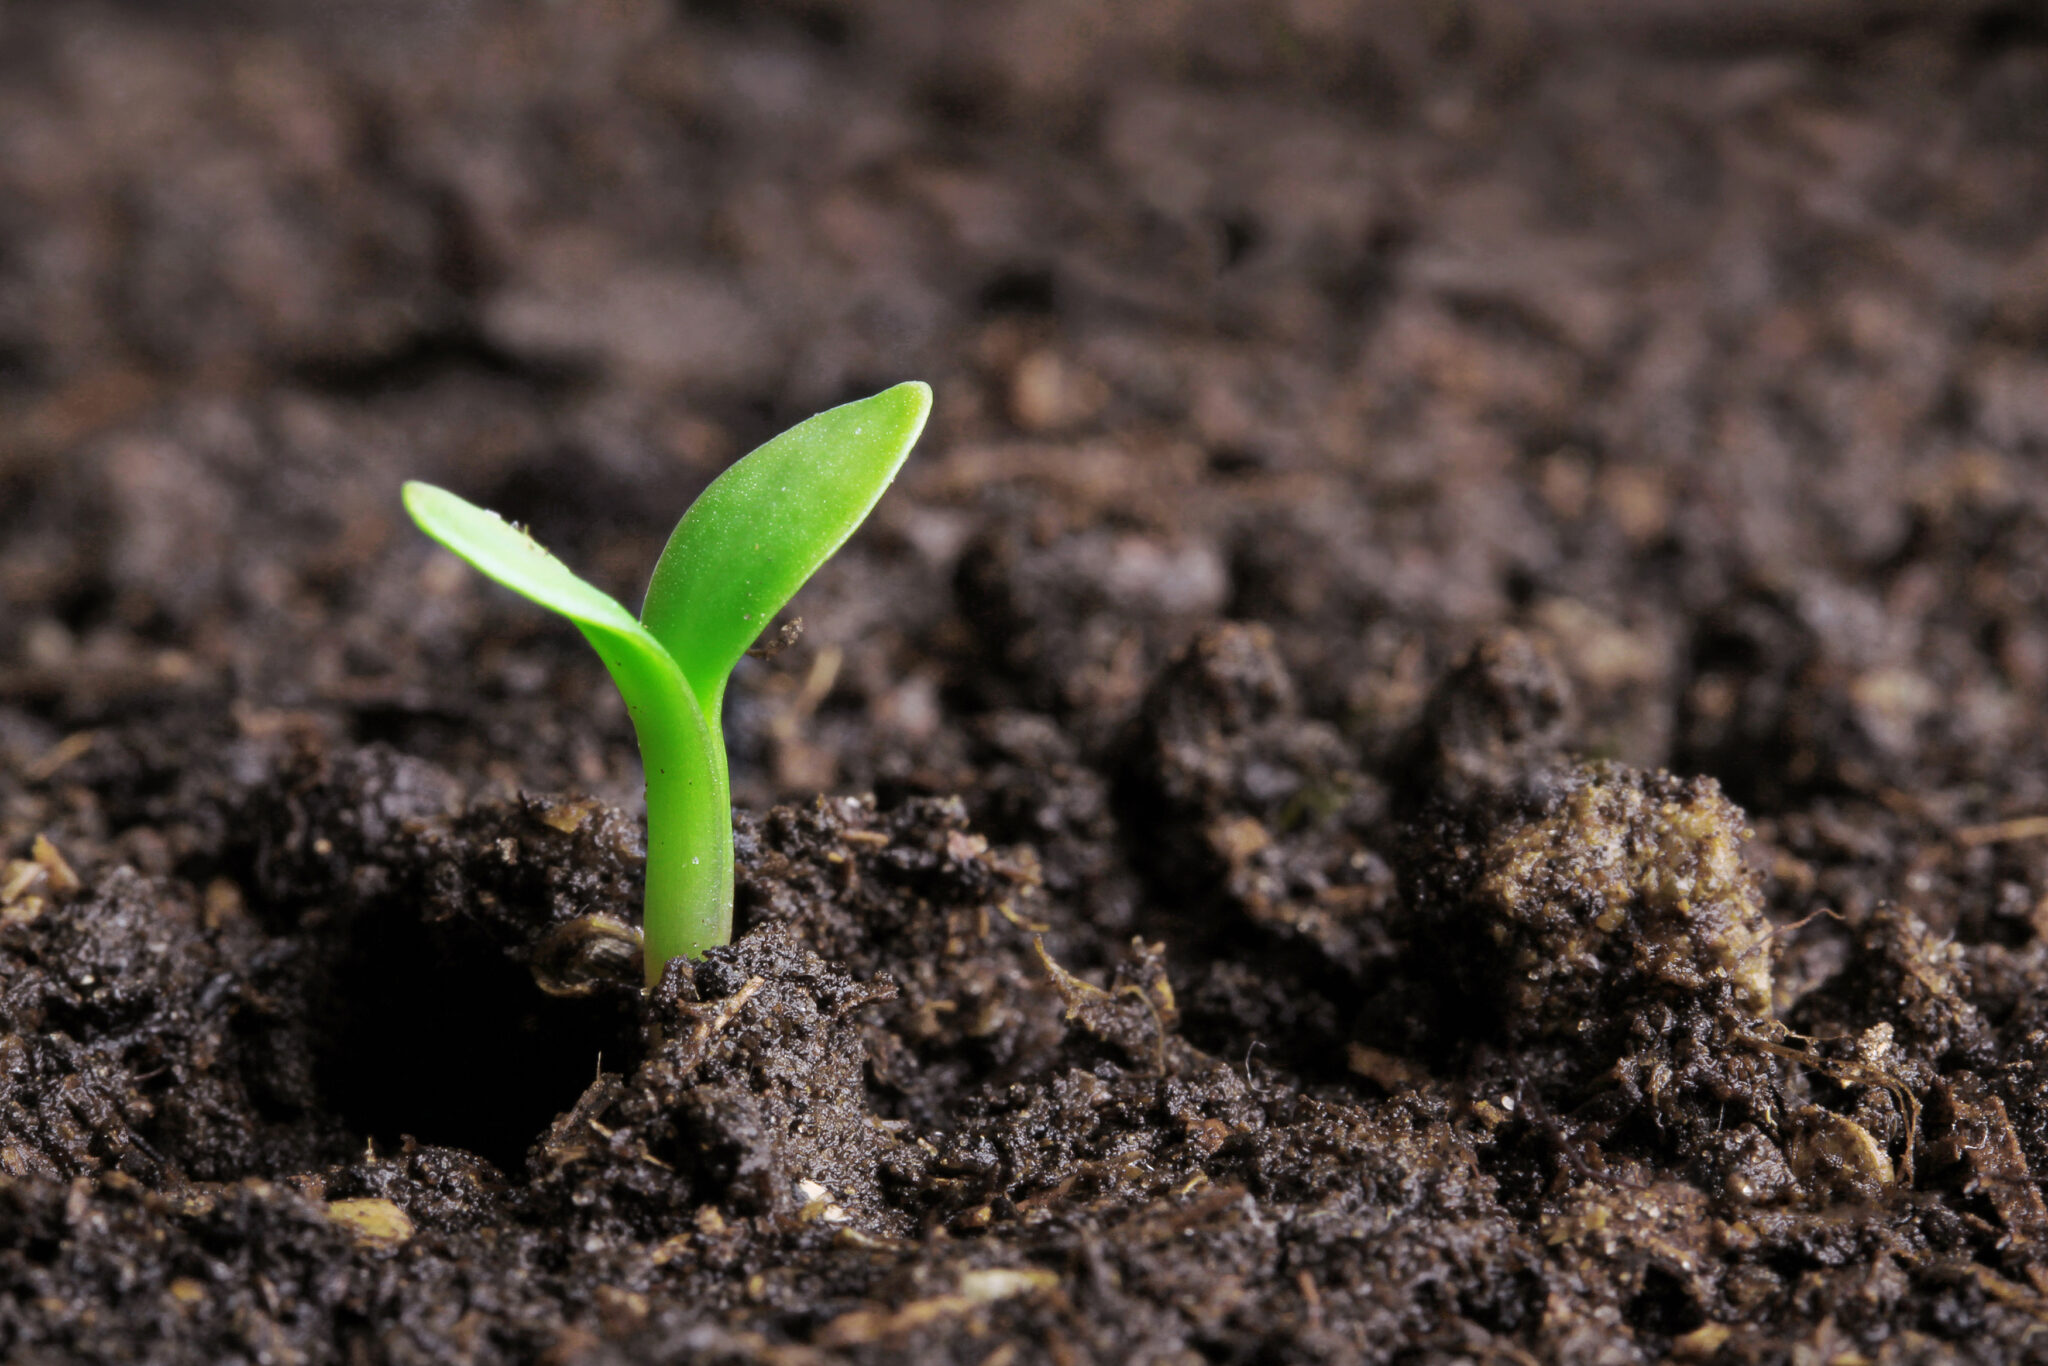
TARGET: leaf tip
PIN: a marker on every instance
(918, 394)
(427, 503)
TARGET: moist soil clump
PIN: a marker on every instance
(1439, 757)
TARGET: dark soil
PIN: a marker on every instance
(1440, 755)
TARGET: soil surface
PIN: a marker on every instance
(1440, 756)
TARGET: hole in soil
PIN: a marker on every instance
(431, 1031)
(2007, 26)
(952, 102)
(1241, 235)
(1663, 1306)
(415, 362)
(1021, 289)
(18, 367)
(1236, 462)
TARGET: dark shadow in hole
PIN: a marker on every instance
(1664, 1306)
(429, 1030)
(2001, 28)
(827, 25)
(1241, 235)
(1021, 289)
(423, 358)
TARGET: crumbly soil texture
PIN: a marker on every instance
(1442, 754)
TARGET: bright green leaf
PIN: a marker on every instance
(764, 526)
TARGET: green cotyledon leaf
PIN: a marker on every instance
(508, 554)
(764, 526)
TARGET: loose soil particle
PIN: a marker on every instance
(1440, 757)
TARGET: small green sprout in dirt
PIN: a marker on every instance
(741, 551)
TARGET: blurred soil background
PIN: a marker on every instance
(1373, 443)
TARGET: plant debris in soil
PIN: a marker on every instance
(1442, 756)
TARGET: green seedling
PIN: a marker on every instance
(740, 553)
